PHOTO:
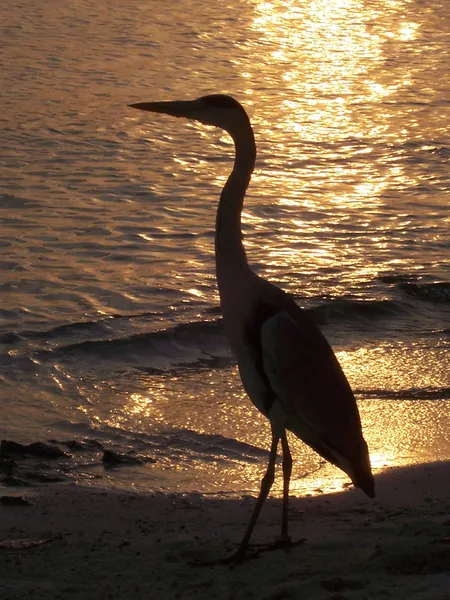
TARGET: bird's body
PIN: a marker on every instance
(291, 374)
(287, 367)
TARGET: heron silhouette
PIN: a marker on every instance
(287, 366)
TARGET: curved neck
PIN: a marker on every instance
(230, 252)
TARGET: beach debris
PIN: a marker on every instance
(14, 501)
(337, 584)
(23, 544)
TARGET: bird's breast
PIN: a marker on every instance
(254, 381)
(244, 336)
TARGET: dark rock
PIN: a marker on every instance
(79, 446)
(8, 447)
(44, 450)
(7, 465)
(114, 459)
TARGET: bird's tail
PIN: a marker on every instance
(361, 473)
(356, 463)
(357, 467)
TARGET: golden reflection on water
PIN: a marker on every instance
(329, 53)
(332, 89)
(213, 407)
(326, 64)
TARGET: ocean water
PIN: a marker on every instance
(110, 334)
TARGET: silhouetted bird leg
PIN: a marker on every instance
(285, 538)
(266, 485)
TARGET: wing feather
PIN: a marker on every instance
(308, 381)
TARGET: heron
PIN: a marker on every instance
(286, 365)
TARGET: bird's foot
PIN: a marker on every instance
(233, 559)
(244, 555)
(283, 539)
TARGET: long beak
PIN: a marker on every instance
(177, 108)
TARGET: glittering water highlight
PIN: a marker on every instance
(109, 307)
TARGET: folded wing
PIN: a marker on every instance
(313, 391)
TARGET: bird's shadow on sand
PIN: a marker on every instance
(404, 531)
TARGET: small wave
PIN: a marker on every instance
(98, 328)
(198, 344)
(214, 445)
(394, 279)
(348, 309)
(429, 292)
(183, 332)
(177, 443)
(428, 393)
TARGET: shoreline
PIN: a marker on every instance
(110, 544)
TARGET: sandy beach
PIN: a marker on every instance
(70, 541)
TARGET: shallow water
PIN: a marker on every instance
(109, 307)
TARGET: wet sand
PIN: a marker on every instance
(69, 541)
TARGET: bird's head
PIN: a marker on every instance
(218, 110)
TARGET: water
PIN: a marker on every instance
(109, 308)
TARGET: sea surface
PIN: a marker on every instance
(111, 343)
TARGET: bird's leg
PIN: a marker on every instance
(266, 484)
(287, 470)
